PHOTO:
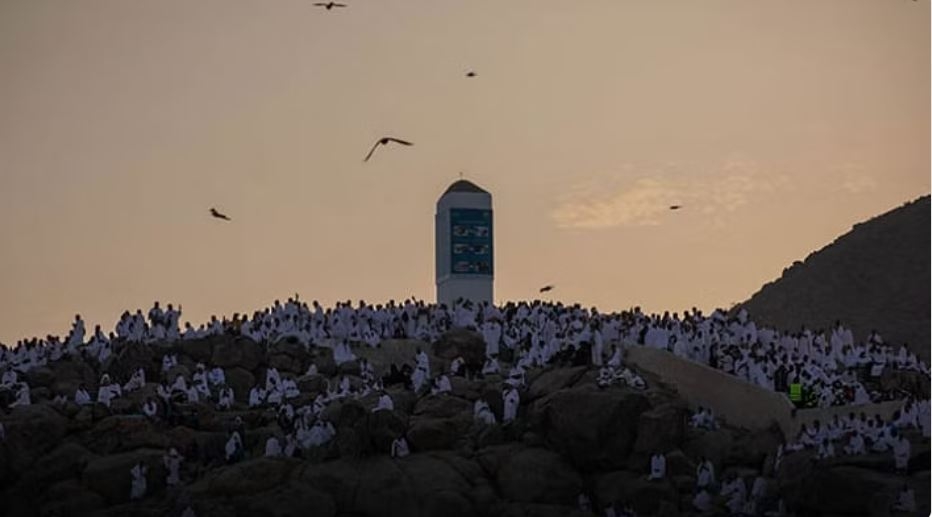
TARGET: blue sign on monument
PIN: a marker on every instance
(471, 241)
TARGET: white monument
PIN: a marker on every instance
(465, 262)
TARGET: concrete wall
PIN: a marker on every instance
(736, 401)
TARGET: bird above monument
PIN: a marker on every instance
(471, 74)
(546, 288)
(218, 215)
(329, 5)
(384, 141)
(675, 207)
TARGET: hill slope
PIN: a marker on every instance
(874, 277)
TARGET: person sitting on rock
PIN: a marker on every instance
(901, 451)
(512, 400)
(138, 485)
(193, 395)
(703, 500)
(234, 447)
(107, 391)
(169, 361)
(172, 461)
(256, 396)
(400, 448)
(441, 385)
(855, 444)
(906, 500)
(9, 379)
(137, 381)
(584, 503)
(491, 366)
(81, 396)
(457, 366)
(705, 474)
(216, 377)
(199, 380)
(22, 396)
(658, 466)
(225, 398)
(736, 493)
(826, 450)
(150, 409)
(606, 377)
(482, 412)
(273, 448)
(385, 403)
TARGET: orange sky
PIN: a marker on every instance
(777, 125)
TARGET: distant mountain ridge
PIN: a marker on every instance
(876, 276)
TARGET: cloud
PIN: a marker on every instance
(641, 202)
(855, 180)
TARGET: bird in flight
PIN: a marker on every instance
(675, 207)
(471, 74)
(218, 215)
(384, 141)
(329, 5)
(546, 288)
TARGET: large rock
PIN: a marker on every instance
(842, 490)
(42, 377)
(596, 428)
(66, 461)
(712, 445)
(249, 477)
(290, 499)
(554, 380)
(442, 406)
(289, 355)
(128, 357)
(239, 352)
(427, 434)
(70, 498)
(31, 431)
(459, 342)
(623, 487)
(538, 476)
(200, 350)
(110, 476)
(241, 380)
(69, 374)
(122, 433)
(660, 430)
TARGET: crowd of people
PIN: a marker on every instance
(518, 337)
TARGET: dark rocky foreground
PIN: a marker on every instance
(571, 437)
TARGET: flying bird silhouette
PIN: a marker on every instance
(471, 74)
(329, 5)
(546, 288)
(675, 207)
(384, 141)
(218, 215)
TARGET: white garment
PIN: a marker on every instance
(512, 400)
(400, 448)
(273, 448)
(138, 488)
(658, 466)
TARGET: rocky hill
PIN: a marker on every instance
(876, 276)
(571, 437)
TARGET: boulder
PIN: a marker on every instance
(200, 350)
(122, 433)
(437, 433)
(460, 342)
(538, 476)
(128, 357)
(110, 476)
(41, 377)
(289, 355)
(240, 352)
(596, 428)
(442, 406)
(553, 380)
(241, 380)
(661, 429)
(70, 498)
(289, 499)
(383, 428)
(69, 374)
(249, 477)
(66, 461)
(623, 487)
(31, 431)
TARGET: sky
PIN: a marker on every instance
(777, 125)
